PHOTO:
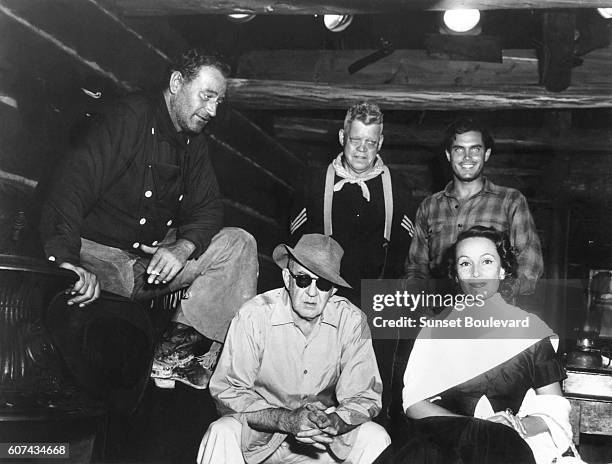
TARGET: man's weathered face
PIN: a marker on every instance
(467, 156)
(193, 103)
(307, 303)
(361, 143)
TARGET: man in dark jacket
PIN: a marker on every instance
(136, 211)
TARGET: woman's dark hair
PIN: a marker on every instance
(189, 63)
(505, 251)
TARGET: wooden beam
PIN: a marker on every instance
(557, 54)
(406, 67)
(274, 94)
(311, 7)
(326, 130)
(228, 147)
(252, 212)
(8, 101)
(68, 49)
(246, 182)
(244, 136)
(17, 179)
(413, 67)
(107, 47)
(489, 170)
(596, 67)
(267, 231)
(479, 48)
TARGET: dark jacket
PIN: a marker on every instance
(358, 225)
(130, 179)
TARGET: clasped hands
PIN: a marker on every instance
(312, 425)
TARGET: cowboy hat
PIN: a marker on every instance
(320, 254)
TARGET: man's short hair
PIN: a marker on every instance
(463, 125)
(189, 63)
(367, 113)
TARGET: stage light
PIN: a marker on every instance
(461, 21)
(240, 17)
(605, 12)
(337, 23)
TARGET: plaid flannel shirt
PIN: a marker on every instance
(441, 217)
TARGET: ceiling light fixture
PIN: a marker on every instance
(461, 21)
(240, 17)
(337, 23)
(605, 12)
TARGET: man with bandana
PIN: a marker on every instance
(369, 211)
(359, 202)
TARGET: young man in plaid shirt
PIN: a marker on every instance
(471, 199)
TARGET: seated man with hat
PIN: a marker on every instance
(297, 380)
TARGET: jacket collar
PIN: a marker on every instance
(165, 125)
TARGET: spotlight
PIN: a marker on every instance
(462, 21)
(605, 12)
(240, 17)
(337, 23)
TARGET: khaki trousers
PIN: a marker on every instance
(221, 444)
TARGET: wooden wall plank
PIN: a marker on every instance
(413, 67)
(583, 140)
(275, 94)
(243, 182)
(267, 237)
(596, 67)
(107, 46)
(235, 129)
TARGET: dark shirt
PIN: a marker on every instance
(358, 226)
(128, 181)
(505, 385)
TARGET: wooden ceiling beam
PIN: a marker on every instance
(414, 67)
(275, 94)
(326, 130)
(107, 47)
(558, 29)
(311, 7)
